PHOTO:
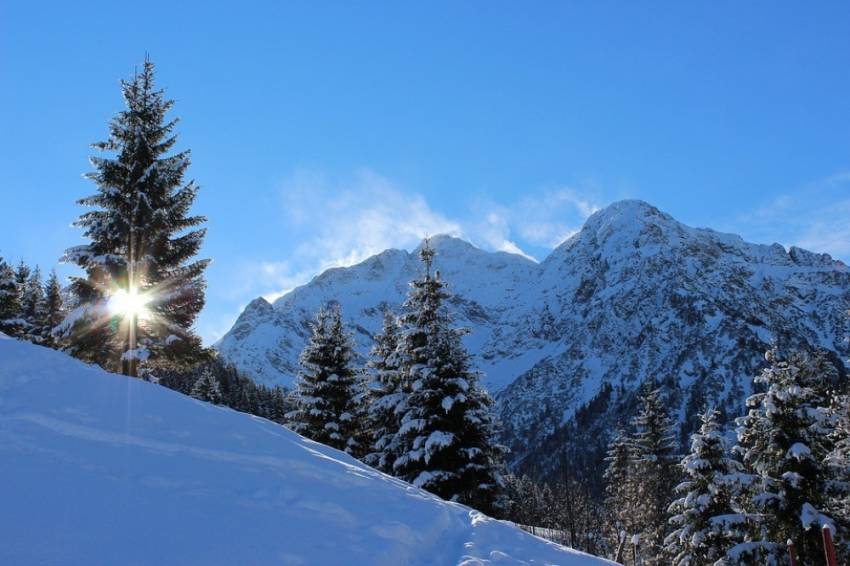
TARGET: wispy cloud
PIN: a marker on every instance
(344, 222)
(340, 222)
(815, 217)
(542, 219)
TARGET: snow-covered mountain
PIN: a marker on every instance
(633, 295)
(101, 469)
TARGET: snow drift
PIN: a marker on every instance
(101, 469)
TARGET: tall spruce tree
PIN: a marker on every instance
(326, 390)
(620, 490)
(22, 275)
(10, 306)
(387, 396)
(447, 429)
(839, 463)
(141, 246)
(705, 525)
(54, 308)
(22, 328)
(32, 306)
(655, 471)
(784, 441)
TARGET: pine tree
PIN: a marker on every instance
(21, 327)
(10, 306)
(142, 290)
(839, 467)
(386, 397)
(447, 429)
(620, 486)
(32, 306)
(207, 388)
(655, 471)
(326, 389)
(362, 440)
(785, 440)
(705, 525)
(22, 275)
(54, 309)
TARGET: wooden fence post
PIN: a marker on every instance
(828, 546)
(792, 552)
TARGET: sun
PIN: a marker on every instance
(130, 303)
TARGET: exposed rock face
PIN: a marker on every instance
(634, 295)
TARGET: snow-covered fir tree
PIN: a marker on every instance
(446, 436)
(54, 308)
(22, 276)
(387, 396)
(207, 388)
(839, 463)
(655, 473)
(784, 441)
(326, 392)
(620, 496)
(10, 306)
(705, 525)
(362, 440)
(277, 413)
(142, 241)
(32, 306)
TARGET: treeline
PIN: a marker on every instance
(30, 308)
(564, 511)
(219, 383)
(785, 478)
(737, 497)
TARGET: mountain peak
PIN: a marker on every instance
(258, 305)
(629, 211)
(446, 242)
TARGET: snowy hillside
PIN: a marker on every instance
(102, 469)
(634, 295)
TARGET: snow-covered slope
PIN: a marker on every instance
(98, 469)
(633, 295)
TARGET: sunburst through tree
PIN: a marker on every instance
(142, 288)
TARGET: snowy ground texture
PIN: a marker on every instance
(100, 469)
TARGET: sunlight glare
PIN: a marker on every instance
(129, 303)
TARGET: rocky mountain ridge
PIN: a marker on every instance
(633, 296)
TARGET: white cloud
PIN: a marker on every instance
(346, 222)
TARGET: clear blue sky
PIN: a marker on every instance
(325, 131)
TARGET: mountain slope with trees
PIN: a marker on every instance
(566, 344)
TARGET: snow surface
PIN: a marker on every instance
(101, 469)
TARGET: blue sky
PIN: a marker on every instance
(323, 132)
